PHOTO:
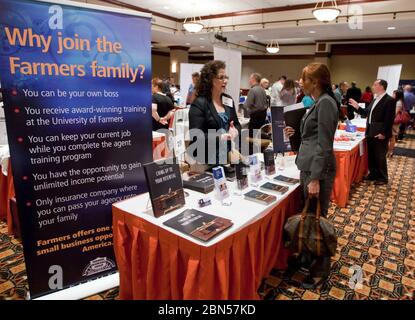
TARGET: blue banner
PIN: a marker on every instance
(280, 141)
(76, 84)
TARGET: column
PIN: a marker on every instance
(178, 54)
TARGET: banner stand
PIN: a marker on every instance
(84, 290)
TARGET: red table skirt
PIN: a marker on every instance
(154, 263)
(351, 168)
(6, 193)
(160, 149)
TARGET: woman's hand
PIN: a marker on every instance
(163, 121)
(289, 131)
(313, 189)
(233, 131)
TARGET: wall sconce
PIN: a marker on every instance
(173, 67)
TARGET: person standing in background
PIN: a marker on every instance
(265, 84)
(367, 96)
(352, 93)
(408, 97)
(409, 103)
(162, 106)
(256, 105)
(380, 117)
(398, 96)
(276, 91)
(340, 92)
(288, 93)
(191, 93)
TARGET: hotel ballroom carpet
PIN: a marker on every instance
(376, 233)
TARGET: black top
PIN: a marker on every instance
(203, 116)
(164, 105)
(382, 116)
(355, 94)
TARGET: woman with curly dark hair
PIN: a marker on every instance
(213, 114)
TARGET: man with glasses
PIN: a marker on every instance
(256, 105)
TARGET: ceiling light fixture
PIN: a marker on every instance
(311, 31)
(391, 28)
(326, 13)
(193, 25)
(273, 47)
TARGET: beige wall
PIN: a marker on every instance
(364, 68)
(160, 66)
(272, 69)
(360, 68)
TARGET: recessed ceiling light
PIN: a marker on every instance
(250, 35)
(166, 7)
(202, 38)
(391, 28)
(202, 47)
(187, 43)
(311, 31)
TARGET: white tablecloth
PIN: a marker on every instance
(350, 145)
(242, 212)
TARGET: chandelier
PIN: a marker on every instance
(273, 47)
(326, 13)
(193, 25)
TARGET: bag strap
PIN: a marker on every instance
(318, 242)
(306, 205)
(305, 209)
(318, 212)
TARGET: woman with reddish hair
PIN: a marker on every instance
(316, 160)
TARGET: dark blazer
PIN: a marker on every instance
(382, 117)
(355, 94)
(203, 116)
(318, 127)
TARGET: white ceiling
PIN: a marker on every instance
(184, 8)
(291, 35)
(285, 33)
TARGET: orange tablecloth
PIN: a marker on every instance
(154, 263)
(351, 168)
(160, 147)
(6, 193)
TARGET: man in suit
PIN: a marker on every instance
(380, 116)
(256, 104)
(352, 93)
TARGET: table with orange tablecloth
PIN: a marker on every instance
(351, 167)
(158, 262)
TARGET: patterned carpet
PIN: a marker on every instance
(376, 232)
